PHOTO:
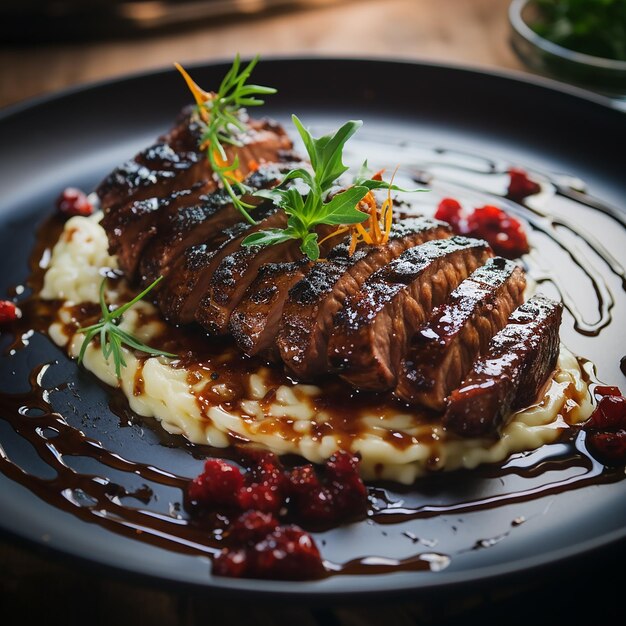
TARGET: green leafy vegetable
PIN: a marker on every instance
(112, 337)
(316, 206)
(595, 27)
(220, 113)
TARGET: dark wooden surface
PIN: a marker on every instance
(40, 589)
(468, 32)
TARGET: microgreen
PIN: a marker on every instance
(112, 337)
(221, 114)
(317, 205)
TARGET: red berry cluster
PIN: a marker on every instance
(8, 312)
(606, 428)
(265, 549)
(260, 546)
(72, 202)
(503, 232)
(520, 185)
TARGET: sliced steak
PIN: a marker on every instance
(442, 351)
(313, 301)
(255, 321)
(232, 277)
(190, 275)
(373, 330)
(179, 227)
(510, 374)
(130, 230)
(176, 161)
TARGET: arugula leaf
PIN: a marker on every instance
(313, 207)
(342, 208)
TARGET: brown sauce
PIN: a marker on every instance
(561, 467)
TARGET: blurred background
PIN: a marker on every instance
(49, 45)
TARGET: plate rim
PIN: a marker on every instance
(535, 80)
(486, 573)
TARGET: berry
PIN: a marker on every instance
(520, 186)
(608, 447)
(610, 414)
(342, 496)
(503, 232)
(8, 312)
(606, 431)
(287, 553)
(72, 202)
(449, 210)
(252, 526)
(218, 486)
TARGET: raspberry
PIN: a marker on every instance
(342, 496)
(520, 186)
(608, 447)
(503, 232)
(605, 390)
(231, 563)
(72, 202)
(449, 210)
(263, 549)
(266, 496)
(218, 485)
(606, 431)
(8, 312)
(343, 465)
(252, 526)
(610, 414)
(288, 553)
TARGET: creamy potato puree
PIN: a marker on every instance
(393, 445)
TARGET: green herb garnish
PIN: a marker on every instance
(112, 337)
(313, 207)
(595, 27)
(220, 112)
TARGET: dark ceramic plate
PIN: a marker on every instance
(463, 127)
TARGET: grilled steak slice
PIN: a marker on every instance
(373, 330)
(195, 222)
(313, 302)
(183, 225)
(442, 351)
(510, 374)
(175, 161)
(232, 277)
(255, 321)
(130, 230)
(190, 275)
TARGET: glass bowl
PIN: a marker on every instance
(605, 76)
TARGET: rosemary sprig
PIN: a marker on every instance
(221, 114)
(112, 337)
(308, 210)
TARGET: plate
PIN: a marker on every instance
(457, 127)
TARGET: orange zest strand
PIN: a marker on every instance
(338, 231)
(376, 229)
(233, 174)
(199, 94)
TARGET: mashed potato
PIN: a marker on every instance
(284, 417)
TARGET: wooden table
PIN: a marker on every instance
(467, 32)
